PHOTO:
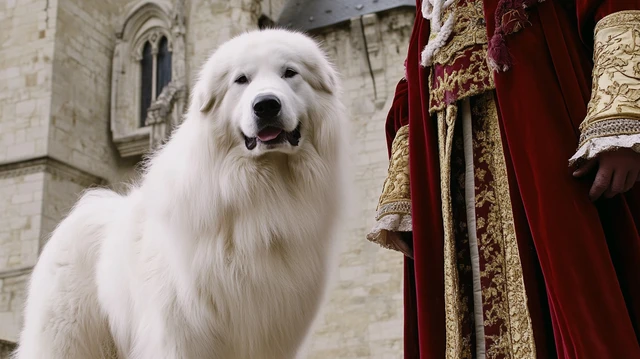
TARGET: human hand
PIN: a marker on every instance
(618, 171)
(403, 243)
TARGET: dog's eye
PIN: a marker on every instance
(242, 80)
(289, 73)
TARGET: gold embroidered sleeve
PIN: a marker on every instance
(394, 207)
(614, 108)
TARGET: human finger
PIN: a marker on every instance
(601, 183)
(618, 182)
(585, 168)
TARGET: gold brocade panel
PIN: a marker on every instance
(459, 67)
(508, 331)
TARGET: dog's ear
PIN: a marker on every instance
(208, 89)
(203, 98)
(322, 77)
(206, 101)
(329, 81)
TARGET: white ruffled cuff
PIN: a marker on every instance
(595, 146)
(387, 228)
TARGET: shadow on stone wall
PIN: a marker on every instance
(6, 348)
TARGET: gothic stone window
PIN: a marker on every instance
(155, 71)
(144, 63)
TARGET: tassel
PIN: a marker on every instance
(498, 56)
(510, 16)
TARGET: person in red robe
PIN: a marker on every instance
(514, 143)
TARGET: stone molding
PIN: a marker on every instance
(165, 113)
(15, 272)
(52, 166)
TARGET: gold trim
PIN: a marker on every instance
(612, 127)
(626, 17)
(517, 340)
(615, 92)
(395, 198)
(452, 295)
(396, 185)
(401, 207)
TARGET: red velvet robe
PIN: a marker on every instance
(581, 261)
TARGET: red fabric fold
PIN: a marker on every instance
(428, 232)
(544, 96)
(398, 115)
(581, 258)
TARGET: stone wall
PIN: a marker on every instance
(34, 197)
(27, 31)
(81, 93)
(63, 186)
(212, 22)
(21, 193)
(53, 103)
(363, 318)
(273, 8)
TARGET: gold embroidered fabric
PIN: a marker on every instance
(509, 331)
(469, 29)
(460, 69)
(394, 206)
(467, 76)
(615, 93)
(507, 321)
(454, 316)
(396, 186)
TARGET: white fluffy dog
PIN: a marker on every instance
(224, 248)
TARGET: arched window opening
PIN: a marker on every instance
(164, 66)
(146, 88)
(155, 71)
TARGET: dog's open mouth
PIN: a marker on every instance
(272, 136)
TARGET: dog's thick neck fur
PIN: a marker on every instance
(235, 212)
(220, 183)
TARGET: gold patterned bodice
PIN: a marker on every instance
(459, 67)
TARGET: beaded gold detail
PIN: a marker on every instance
(615, 127)
(402, 207)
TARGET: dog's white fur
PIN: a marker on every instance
(219, 251)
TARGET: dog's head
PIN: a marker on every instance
(262, 87)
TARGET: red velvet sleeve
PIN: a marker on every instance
(398, 115)
(589, 12)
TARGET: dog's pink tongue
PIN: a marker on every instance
(269, 134)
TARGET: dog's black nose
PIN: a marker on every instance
(266, 106)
